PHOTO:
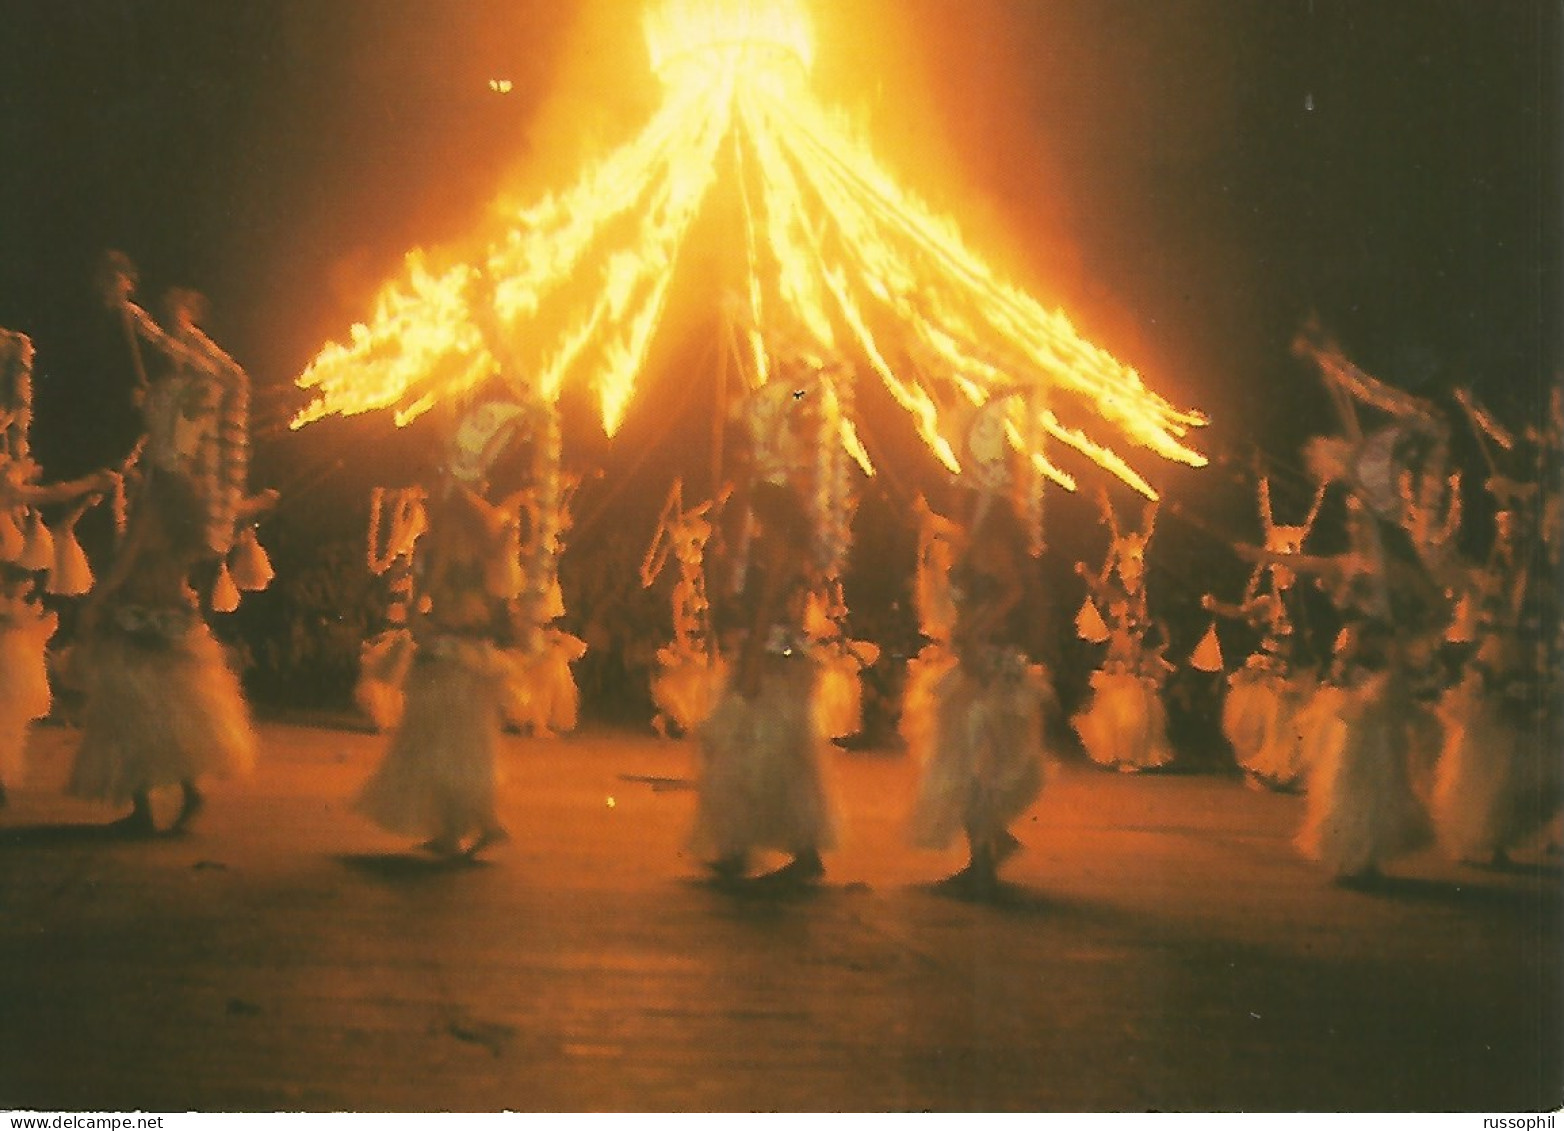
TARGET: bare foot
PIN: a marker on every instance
(727, 869)
(189, 808)
(1005, 846)
(138, 824)
(805, 868)
(487, 839)
(444, 846)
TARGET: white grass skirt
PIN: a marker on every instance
(1362, 809)
(981, 751)
(158, 711)
(761, 765)
(437, 778)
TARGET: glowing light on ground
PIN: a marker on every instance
(840, 263)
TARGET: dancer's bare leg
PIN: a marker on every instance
(191, 804)
(140, 822)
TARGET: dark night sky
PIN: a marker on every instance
(1189, 179)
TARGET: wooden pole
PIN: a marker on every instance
(719, 409)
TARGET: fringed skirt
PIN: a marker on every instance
(1260, 720)
(924, 672)
(1489, 791)
(762, 769)
(383, 664)
(1125, 725)
(1362, 809)
(161, 706)
(839, 694)
(437, 778)
(685, 687)
(543, 696)
(24, 683)
(979, 740)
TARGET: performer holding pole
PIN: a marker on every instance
(162, 707)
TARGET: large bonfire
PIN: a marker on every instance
(842, 267)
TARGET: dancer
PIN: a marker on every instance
(762, 780)
(841, 660)
(1360, 728)
(1259, 713)
(939, 540)
(977, 729)
(25, 624)
(545, 699)
(437, 779)
(1124, 725)
(1368, 734)
(1494, 789)
(384, 658)
(162, 706)
(689, 667)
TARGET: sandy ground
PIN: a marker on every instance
(1161, 946)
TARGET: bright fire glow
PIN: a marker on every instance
(839, 262)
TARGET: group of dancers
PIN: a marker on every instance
(1429, 720)
(1434, 716)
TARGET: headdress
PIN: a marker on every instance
(480, 438)
(777, 445)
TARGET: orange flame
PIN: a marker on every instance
(840, 261)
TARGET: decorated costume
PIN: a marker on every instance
(841, 660)
(1359, 730)
(385, 657)
(1369, 736)
(543, 696)
(973, 717)
(762, 775)
(34, 558)
(689, 667)
(1124, 723)
(1497, 782)
(437, 778)
(1264, 697)
(162, 706)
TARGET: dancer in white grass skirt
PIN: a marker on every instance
(690, 671)
(762, 775)
(437, 780)
(975, 725)
(25, 629)
(397, 519)
(1497, 783)
(982, 758)
(543, 694)
(1361, 729)
(1124, 723)
(1260, 719)
(31, 557)
(162, 707)
(1265, 697)
(1362, 808)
